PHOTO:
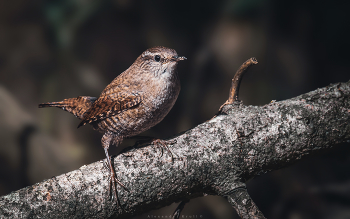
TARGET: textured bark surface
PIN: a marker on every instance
(216, 157)
(244, 205)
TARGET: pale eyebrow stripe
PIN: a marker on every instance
(148, 53)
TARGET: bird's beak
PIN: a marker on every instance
(178, 58)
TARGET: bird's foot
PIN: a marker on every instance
(112, 188)
(164, 144)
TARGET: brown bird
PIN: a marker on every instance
(133, 102)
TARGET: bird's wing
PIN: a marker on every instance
(109, 105)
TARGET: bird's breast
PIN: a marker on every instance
(164, 93)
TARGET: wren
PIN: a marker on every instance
(136, 100)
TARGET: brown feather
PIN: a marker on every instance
(106, 107)
(77, 106)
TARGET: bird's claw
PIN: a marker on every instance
(162, 145)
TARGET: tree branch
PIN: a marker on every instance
(244, 205)
(216, 157)
(236, 81)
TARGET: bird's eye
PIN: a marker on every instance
(157, 58)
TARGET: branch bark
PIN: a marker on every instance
(216, 157)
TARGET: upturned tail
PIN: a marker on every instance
(77, 106)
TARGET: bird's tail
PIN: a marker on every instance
(77, 106)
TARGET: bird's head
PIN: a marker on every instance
(159, 61)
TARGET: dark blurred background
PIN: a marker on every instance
(51, 50)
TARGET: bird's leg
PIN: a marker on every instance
(106, 140)
(160, 143)
(140, 140)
